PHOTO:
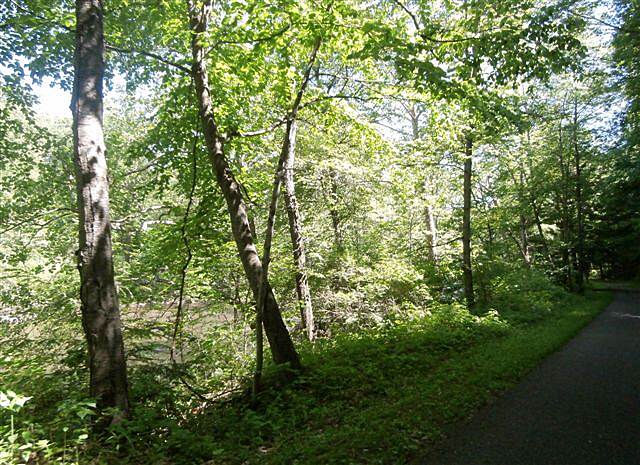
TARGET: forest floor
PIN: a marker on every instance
(383, 397)
(580, 406)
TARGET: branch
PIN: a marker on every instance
(255, 40)
(296, 104)
(107, 45)
(183, 276)
(185, 240)
(305, 79)
(456, 239)
(182, 68)
(13, 226)
(116, 223)
(42, 226)
(259, 132)
(604, 23)
(145, 167)
(40, 17)
(413, 17)
(416, 24)
(338, 97)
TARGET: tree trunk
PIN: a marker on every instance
(524, 240)
(333, 211)
(565, 223)
(466, 225)
(297, 238)
(489, 240)
(580, 261)
(266, 255)
(282, 348)
(98, 293)
(543, 239)
(432, 235)
(524, 234)
(283, 161)
(430, 219)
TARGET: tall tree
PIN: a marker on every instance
(297, 238)
(282, 348)
(466, 224)
(98, 293)
(579, 246)
(288, 145)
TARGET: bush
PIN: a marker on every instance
(519, 295)
(364, 297)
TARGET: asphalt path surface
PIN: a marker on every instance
(581, 406)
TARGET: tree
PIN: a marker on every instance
(98, 292)
(297, 238)
(285, 167)
(282, 347)
(466, 224)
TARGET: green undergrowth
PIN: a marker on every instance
(372, 397)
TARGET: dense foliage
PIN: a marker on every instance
(394, 100)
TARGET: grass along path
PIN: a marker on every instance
(381, 397)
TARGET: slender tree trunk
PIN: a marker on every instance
(530, 198)
(524, 234)
(543, 239)
(430, 219)
(489, 240)
(333, 211)
(524, 240)
(283, 161)
(410, 234)
(432, 235)
(282, 348)
(565, 227)
(580, 261)
(466, 225)
(297, 238)
(266, 256)
(98, 293)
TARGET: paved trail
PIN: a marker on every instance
(581, 406)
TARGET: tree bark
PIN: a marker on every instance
(333, 211)
(430, 218)
(524, 240)
(489, 240)
(297, 238)
(565, 222)
(283, 161)
(580, 261)
(543, 239)
(466, 225)
(432, 235)
(98, 292)
(282, 348)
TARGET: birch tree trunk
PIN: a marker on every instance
(282, 348)
(430, 218)
(98, 293)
